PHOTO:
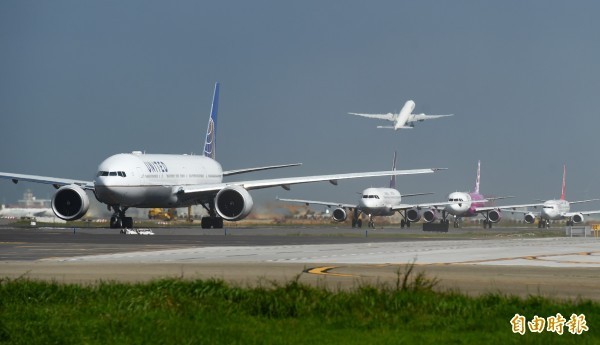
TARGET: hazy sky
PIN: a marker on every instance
(82, 80)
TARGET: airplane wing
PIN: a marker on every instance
(242, 171)
(288, 181)
(423, 117)
(424, 205)
(388, 116)
(571, 214)
(324, 203)
(89, 185)
(582, 201)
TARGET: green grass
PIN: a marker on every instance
(176, 311)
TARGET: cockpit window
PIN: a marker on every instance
(112, 173)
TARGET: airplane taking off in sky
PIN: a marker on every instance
(404, 119)
(168, 181)
(555, 209)
(375, 202)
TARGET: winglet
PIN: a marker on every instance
(478, 177)
(211, 130)
(564, 185)
(393, 178)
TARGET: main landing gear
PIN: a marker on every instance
(404, 221)
(356, 221)
(545, 223)
(212, 220)
(118, 220)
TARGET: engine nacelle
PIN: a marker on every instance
(70, 202)
(430, 216)
(233, 203)
(413, 215)
(578, 218)
(339, 214)
(494, 216)
(529, 218)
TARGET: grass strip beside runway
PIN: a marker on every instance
(211, 312)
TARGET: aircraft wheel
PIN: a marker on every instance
(359, 223)
(206, 222)
(128, 222)
(116, 222)
(402, 223)
(408, 223)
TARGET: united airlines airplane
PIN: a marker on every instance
(376, 202)
(168, 180)
(555, 209)
(404, 119)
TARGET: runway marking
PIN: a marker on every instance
(325, 271)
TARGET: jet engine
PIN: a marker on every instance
(233, 203)
(413, 215)
(70, 202)
(529, 218)
(494, 216)
(430, 215)
(577, 218)
(339, 214)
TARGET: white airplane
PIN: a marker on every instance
(168, 180)
(375, 202)
(555, 209)
(404, 119)
(463, 204)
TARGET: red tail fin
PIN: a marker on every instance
(564, 186)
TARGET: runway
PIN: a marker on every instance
(557, 266)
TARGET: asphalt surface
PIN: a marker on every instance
(474, 261)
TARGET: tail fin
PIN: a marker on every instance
(211, 131)
(564, 184)
(478, 177)
(393, 178)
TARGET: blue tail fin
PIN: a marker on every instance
(211, 131)
(393, 178)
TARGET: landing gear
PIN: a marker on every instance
(371, 223)
(404, 223)
(570, 223)
(456, 223)
(118, 220)
(486, 223)
(212, 220)
(545, 223)
(356, 221)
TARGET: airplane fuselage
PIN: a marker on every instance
(404, 114)
(555, 209)
(152, 180)
(379, 201)
(466, 208)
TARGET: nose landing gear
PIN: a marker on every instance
(118, 220)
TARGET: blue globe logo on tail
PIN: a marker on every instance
(211, 130)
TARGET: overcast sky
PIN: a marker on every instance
(82, 80)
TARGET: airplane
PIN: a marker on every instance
(463, 204)
(143, 180)
(404, 119)
(555, 209)
(375, 202)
